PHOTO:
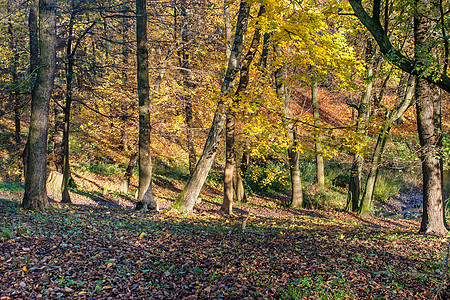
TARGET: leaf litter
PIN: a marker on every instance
(87, 252)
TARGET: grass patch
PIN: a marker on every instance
(11, 188)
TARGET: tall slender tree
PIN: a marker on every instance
(427, 98)
(145, 193)
(188, 197)
(230, 124)
(320, 167)
(35, 196)
(291, 134)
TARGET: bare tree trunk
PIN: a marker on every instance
(34, 63)
(318, 147)
(230, 162)
(125, 52)
(35, 196)
(69, 77)
(14, 93)
(187, 198)
(145, 193)
(291, 133)
(184, 57)
(391, 117)
(354, 189)
(428, 107)
(129, 172)
(58, 136)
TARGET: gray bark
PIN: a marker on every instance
(187, 198)
(230, 162)
(354, 189)
(318, 147)
(145, 194)
(35, 196)
(291, 133)
(391, 117)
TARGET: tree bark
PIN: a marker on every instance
(428, 107)
(69, 77)
(354, 188)
(124, 106)
(33, 31)
(35, 196)
(129, 172)
(291, 134)
(145, 194)
(414, 66)
(391, 118)
(187, 198)
(58, 136)
(318, 147)
(184, 57)
(14, 93)
(230, 162)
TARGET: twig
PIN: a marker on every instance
(52, 249)
(443, 273)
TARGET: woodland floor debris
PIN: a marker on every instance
(87, 251)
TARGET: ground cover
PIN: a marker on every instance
(262, 252)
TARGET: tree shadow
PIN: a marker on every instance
(164, 183)
(101, 200)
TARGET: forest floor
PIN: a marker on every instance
(100, 248)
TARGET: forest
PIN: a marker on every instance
(236, 149)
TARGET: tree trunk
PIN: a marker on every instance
(318, 147)
(428, 107)
(230, 162)
(33, 36)
(145, 193)
(291, 134)
(354, 189)
(124, 106)
(14, 93)
(58, 136)
(35, 196)
(238, 183)
(34, 63)
(129, 172)
(69, 77)
(391, 118)
(187, 198)
(188, 84)
(228, 32)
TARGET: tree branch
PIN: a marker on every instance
(394, 55)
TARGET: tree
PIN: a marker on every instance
(230, 161)
(428, 99)
(187, 198)
(145, 193)
(391, 117)
(435, 76)
(354, 188)
(184, 29)
(428, 108)
(291, 134)
(70, 64)
(318, 147)
(33, 30)
(35, 196)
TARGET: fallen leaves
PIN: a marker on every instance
(80, 251)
